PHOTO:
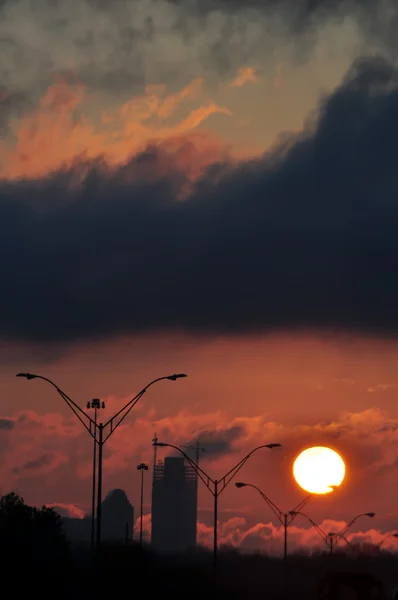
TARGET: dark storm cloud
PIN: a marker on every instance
(216, 443)
(303, 238)
(6, 424)
(44, 460)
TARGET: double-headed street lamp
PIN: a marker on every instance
(100, 432)
(216, 486)
(332, 539)
(285, 518)
(142, 467)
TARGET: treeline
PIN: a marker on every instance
(36, 557)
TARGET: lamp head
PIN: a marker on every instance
(176, 376)
(273, 446)
(161, 444)
(239, 484)
(370, 514)
(26, 375)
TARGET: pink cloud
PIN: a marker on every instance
(48, 459)
(243, 76)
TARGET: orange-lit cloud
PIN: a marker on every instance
(48, 458)
(243, 76)
(381, 387)
(64, 129)
(67, 510)
(236, 532)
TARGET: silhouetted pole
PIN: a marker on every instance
(96, 404)
(215, 527)
(142, 467)
(99, 496)
(284, 518)
(285, 526)
(94, 429)
(94, 484)
(215, 486)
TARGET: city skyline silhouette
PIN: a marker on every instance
(199, 249)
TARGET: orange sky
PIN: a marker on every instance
(294, 389)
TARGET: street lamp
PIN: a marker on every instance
(332, 539)
(342, 534)
(142, 467)
(96, 404)
(389, 535)
(98, 431)
(216, 486)
(285, 518)
(327, 538)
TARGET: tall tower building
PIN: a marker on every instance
(174, 506)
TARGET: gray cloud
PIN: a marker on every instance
(116, 46)
(303, 238)
(11, 104)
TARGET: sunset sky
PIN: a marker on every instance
(208, 187)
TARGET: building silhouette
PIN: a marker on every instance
(174, 506)
(117, 517)
(117, 521)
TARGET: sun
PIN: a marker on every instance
(319, 469)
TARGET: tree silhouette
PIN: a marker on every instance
(33, 535)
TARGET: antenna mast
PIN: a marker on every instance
(155, 449)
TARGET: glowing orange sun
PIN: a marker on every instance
(318, 470)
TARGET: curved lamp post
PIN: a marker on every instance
(285, 518)
(216, 486)
(332, 539)
(100, 432)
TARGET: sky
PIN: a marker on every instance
(207, 187)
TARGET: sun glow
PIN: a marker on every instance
(318, 470)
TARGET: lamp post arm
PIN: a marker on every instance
(342, 536)
(207, 480)
(75, 408)
(121, 414)
(275, 509)
(319, 529)
(384, 539)
(297, 509)
(350, 524)
(225, 480)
